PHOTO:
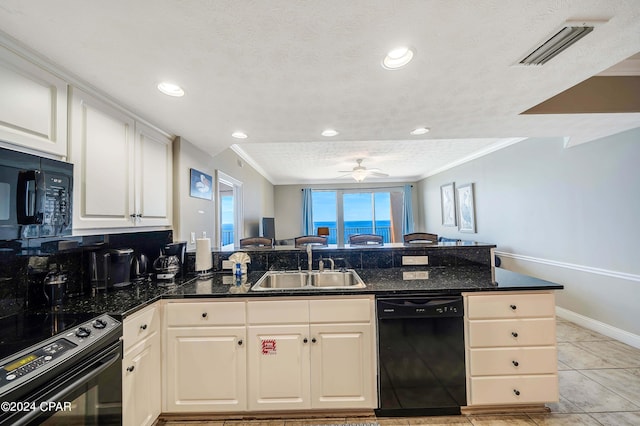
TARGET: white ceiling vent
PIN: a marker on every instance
(560, 41)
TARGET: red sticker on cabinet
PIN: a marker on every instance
(269, 347)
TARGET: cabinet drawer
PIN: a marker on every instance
(140, 325)
(523, 332)
(340, 310)
(510, 361)
(511, 305)
(514, 389)
(205, 314)
(278, 312)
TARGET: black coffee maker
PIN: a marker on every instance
(178, 249)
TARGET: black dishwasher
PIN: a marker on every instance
(421, 356)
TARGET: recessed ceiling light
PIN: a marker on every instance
(397, 58)
(170, 89)
(420, 131)
(329, 133)
(239, 135)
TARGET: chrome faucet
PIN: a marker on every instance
(333, 264)
(309, 257)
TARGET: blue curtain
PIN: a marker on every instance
(307, 212)
(407, 218)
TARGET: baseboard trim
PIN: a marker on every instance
(573, 266)
(600, 327)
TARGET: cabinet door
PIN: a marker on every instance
(205, 369)
(278, 367)
(102, 152)
(33, 105)
(154, 171)
(342, 366)
(141, 387)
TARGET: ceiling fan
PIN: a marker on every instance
(360, 172)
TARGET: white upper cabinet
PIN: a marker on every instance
(122, 169)
(33, 105)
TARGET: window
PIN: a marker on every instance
(229, 213)
(346, 212)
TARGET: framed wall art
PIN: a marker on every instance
(466, 208)
(201, 185)
(448, 204)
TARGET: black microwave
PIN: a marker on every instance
(35, 196)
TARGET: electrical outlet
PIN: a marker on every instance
(193, 238)
(227, 264)
(415, 260)
(415, 275)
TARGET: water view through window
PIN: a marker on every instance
(347, 213)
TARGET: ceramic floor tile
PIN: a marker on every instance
(393, 421)
(440, 420)
(563, 366)
(579, 358)
(321, 421)
(618, 419)
(570, 332)
(254, 423)
(621, 381)
(590, 396)
(616, 353)
(501, 420)
(564, 419)
(563, 406)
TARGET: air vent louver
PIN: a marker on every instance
(556, 44)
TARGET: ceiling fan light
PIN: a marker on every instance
(359, 175)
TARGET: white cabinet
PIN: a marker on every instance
(205, 368)
(122, 170)
(311, 354)
(141, 367)
(511, 353)
(33, 105)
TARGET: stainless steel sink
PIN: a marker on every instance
(303, 280)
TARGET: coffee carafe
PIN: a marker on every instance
(178, 249)
(111, 268)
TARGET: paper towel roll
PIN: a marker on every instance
(203, 254)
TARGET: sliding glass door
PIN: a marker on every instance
(369, 211)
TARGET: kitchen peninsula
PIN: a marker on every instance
(216, 346)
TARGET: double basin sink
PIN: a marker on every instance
(306, 280)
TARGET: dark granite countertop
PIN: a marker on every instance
(381, 282)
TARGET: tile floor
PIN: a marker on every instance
(599, 385)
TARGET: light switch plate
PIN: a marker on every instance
(415, 260)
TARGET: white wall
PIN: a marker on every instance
(288, 204)
(197, 215)
(190, 214)
(566, 215)
(257, 191)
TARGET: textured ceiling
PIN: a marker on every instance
(282, 71)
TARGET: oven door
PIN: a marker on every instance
(90, 393)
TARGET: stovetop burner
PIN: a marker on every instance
(21, 331)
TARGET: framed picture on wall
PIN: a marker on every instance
(201, 185)
(466, 208)
(448, 204)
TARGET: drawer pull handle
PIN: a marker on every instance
(240, 342)
(517, 392)
(305, 340)
(514, 307)
(515, 363)
(514, 334)
(143, 327)
(130, 369)
(204, 315)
